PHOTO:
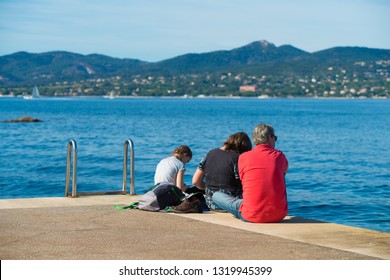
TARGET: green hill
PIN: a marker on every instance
(275, 71)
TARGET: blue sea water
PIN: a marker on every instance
(338, 149)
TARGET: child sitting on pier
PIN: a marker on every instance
(171, 169)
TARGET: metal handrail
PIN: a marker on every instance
(72, 145)
(128, 143)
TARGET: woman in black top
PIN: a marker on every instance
(218, 169)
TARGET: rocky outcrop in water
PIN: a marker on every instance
(24, 119)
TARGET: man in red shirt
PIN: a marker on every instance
(262, 171)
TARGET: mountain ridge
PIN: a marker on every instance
(260, 58)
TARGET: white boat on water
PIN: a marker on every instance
(110, 96)
(35, 94)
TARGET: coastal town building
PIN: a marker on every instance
(247, 88)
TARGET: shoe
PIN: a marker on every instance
(187, 206)
(191, 190)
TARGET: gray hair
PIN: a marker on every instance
(261, 133)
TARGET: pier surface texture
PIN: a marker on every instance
(90, 228)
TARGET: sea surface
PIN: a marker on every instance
(338, 149)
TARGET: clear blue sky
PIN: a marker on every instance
(153, 30)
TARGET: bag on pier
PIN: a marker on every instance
(165, 196)
(160, 196)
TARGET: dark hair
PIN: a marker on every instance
(182, 151)
(238, 142)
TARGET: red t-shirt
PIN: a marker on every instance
(262, 173)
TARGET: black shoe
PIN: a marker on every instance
(190, 190)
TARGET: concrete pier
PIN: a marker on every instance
(91, 228)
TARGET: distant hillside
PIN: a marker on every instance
(27, 68)
(256, 53)
(260, 58)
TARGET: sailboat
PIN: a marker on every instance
(111, 96)
(35, 93)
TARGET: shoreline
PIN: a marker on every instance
(43, 97)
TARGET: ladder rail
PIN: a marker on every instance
(72, 146)
(128, 143)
